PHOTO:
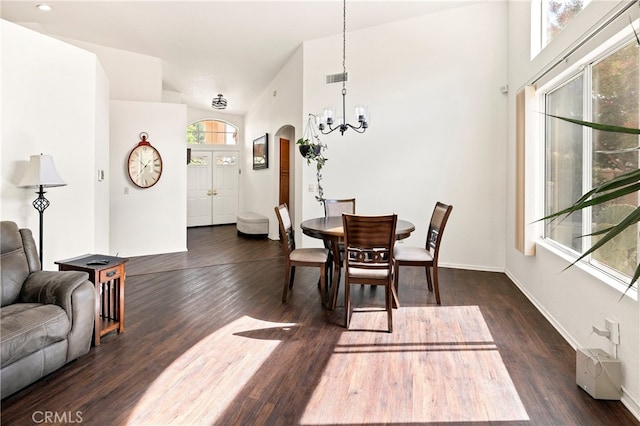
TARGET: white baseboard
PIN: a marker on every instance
(470, 267)
(631, 403)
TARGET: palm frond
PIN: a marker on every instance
(599, 126)
(617, 187)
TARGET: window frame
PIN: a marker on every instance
(227, 123)
(539, 38)
(594, 267)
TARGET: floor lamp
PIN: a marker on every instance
(41, 174)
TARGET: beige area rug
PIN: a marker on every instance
(448, 371)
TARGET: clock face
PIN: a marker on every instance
(144, 166)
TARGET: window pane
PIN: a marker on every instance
(615, 100)
(226, 160)
(212, 132)
(556, 14)
(564, 158)
(198, 160)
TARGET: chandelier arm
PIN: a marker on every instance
(331, 130)
(359, 129)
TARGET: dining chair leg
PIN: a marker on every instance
(335, 276)
(285, 291)
(292, 277)
(323, 280)
(335, 285)
(429, 282)
(396, 270)
(435, 285)
(394, 295)
(347, 305)
(388, 295)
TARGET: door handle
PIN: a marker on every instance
(215, 192)
(209, 193)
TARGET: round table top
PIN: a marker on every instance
(331, 227)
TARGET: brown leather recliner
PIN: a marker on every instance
(46, 317)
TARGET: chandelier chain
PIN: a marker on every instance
(326, 123)
(344, 47)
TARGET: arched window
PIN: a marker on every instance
(212, 132)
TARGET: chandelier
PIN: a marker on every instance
(219, 102)
(327, 120)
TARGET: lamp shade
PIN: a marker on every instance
(41, 171)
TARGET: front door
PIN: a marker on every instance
(225, 187)
(212, 188)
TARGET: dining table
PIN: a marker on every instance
(330, 230)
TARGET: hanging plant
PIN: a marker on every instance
(312, 149)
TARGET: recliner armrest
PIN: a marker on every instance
(53, 287)
(72, 291)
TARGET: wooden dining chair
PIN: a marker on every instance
(335, 207)
(427, 256)
(368, 242)
(313, 257)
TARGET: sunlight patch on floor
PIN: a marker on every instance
(451, 372)
(198, 387)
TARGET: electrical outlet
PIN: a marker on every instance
(614, 329)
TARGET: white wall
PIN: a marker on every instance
(437, 131)
(572, 300)
(152, 220)
(279, 105)
(132, 76)
(53, 102)
(156, 222)
(101, 185)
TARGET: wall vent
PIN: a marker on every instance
(336, 78)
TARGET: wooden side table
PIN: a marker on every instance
(107, 274)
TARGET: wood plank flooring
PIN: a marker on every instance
(208, 341)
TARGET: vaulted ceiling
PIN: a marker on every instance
(208, 47)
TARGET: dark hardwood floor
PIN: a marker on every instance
(208, 341)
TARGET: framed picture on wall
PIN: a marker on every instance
(261, 152)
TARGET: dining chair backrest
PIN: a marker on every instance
(335, 207)
(439, 219)
(286, 228)
(369, 241)
(368, 257)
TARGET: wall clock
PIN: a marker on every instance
(144, 164)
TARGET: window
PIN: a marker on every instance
(550, 17)
(213, 132)
(577, 158)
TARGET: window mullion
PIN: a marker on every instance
(587, 168)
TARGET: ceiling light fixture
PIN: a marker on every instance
(219, 102)
(327, 118)
(44, 7)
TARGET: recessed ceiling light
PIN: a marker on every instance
(44, 7)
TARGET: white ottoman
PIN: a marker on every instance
(252, 225)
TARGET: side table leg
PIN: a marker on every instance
(121, 304)
(96, 325)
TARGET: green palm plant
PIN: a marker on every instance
(615, 188)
